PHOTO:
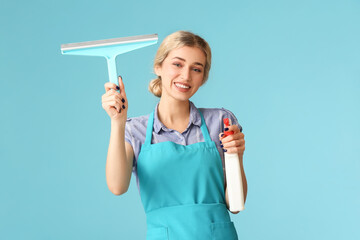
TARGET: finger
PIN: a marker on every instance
(234, 150)
(122, 87)
(235, 143)
(122, 90)
(221, 135)
(112, 94)
(110, 85)
(240, 135)
(229, 144)
(228, 138)
(236, 136)
(233, 128)
(229, 150)
(113, 101)
(110, 109)
(112, 104)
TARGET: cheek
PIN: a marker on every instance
(168, 76)
(199, 80)
(172, 72)
(198, 77)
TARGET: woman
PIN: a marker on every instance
(178, 166)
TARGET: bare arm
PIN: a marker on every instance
(120, 153)
(119, 161)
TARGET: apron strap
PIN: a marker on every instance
(204, 129)
(149, 129)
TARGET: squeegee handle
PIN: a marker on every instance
(113, 77)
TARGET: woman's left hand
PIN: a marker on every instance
(234, 143)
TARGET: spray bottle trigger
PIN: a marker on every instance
(227, 122)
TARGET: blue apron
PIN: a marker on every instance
(182, 190)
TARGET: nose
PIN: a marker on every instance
(185, 74)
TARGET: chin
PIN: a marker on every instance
(182, 99)
(181, 96)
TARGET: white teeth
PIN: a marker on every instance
(180, 85)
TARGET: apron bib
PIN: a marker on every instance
(182, 190)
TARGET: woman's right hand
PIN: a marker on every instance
(114, 103)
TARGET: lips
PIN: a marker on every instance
(185, 84)
(182, 89)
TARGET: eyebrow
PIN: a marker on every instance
(196, 63)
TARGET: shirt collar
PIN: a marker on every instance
(195, 119)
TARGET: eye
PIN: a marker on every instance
(197, 70)
(177, 64)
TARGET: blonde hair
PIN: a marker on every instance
(177, 40)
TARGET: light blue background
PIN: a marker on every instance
(289, 70)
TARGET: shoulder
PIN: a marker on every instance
(218, 114)
(137, 125)
(138, 120)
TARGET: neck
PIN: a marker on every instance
(173, 112)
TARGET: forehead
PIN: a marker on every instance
(190, 54)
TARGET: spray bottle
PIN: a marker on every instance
(233, 177)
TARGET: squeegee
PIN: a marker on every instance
(109, 48)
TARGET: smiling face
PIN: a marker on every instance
(182, 72)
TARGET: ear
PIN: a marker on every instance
(157, 70)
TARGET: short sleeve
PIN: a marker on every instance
(129, 137)
(233, 119)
